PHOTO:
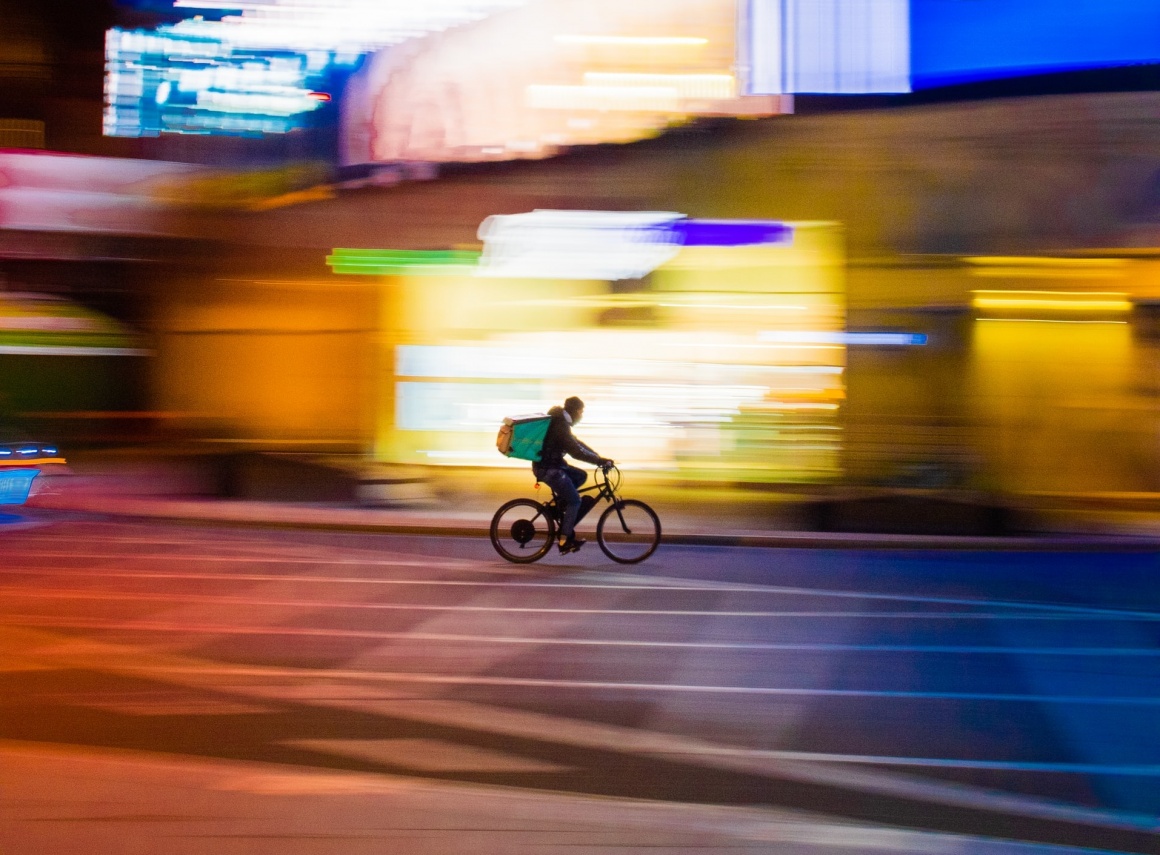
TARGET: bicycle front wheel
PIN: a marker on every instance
(522, 531)
(629, 531)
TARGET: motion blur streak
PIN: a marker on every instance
(723, 355)
(1054, 300)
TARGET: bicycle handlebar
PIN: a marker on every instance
(608, 480)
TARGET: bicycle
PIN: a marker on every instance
(628, 531)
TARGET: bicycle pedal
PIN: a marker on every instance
(569, 546)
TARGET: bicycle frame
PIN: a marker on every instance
(602, 487)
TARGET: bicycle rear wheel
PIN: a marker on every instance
(629, 531)
(522, 531)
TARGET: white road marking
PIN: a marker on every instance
(137, 596)
(452, 638)
(1149, 770)
(661, 584)
(614, 686)
(460, 564)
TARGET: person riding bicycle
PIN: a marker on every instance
(564, 479)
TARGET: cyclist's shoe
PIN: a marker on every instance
(571, 544)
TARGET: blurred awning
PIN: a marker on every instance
(42, 325)
(43, 192)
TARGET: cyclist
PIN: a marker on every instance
(564, 479)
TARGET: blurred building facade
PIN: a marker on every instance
(989, 301)
(1015, 236)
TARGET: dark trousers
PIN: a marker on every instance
(565, 482)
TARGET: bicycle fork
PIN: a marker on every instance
(619, 505)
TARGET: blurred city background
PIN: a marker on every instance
(807, 243)
(845, 284)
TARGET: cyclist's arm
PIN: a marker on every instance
(580, 451)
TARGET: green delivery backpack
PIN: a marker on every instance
(523, 436)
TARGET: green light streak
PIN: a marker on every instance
(400, 262)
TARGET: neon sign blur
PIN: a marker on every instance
(168, 82)
(603, 245)
(385, 262)
(265, 70)
(606, 245)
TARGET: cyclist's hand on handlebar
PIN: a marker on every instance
(606, 464)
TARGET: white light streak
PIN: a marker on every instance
(606, 245)
(357, 26)
(707, 86)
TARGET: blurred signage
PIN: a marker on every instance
(262, 67)
(70, 193)
(827, 46)
(607, 245)
(164, 81)
(583, 245)
(957, 42)
(733, 232)
(49, 192)
(557, 73)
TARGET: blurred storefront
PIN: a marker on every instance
(81, 239)
(1040, 374)
(708, 349)
(269, 363)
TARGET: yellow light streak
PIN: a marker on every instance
(1044, 321)
(1031, 267)
(782, 405)
(1043, 261)
(736, 307)
(1065, 301)
(1045, 273)
(612, 301)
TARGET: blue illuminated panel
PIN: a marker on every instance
(164, 81)
(959, 42)
(732, 232)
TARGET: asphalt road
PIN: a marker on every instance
(226, 690)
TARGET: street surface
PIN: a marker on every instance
(191, 689)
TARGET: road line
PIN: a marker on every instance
(461, 564)
(137, 596)
(290, 577)
(453, 638)
(1124, 769)
(675, 586)
(600, 685)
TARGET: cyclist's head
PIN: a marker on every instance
(575, 408)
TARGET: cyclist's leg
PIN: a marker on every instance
(579, 476)
(567, 497)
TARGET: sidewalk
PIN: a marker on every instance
(461, 503)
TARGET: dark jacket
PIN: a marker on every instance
(560, 441)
